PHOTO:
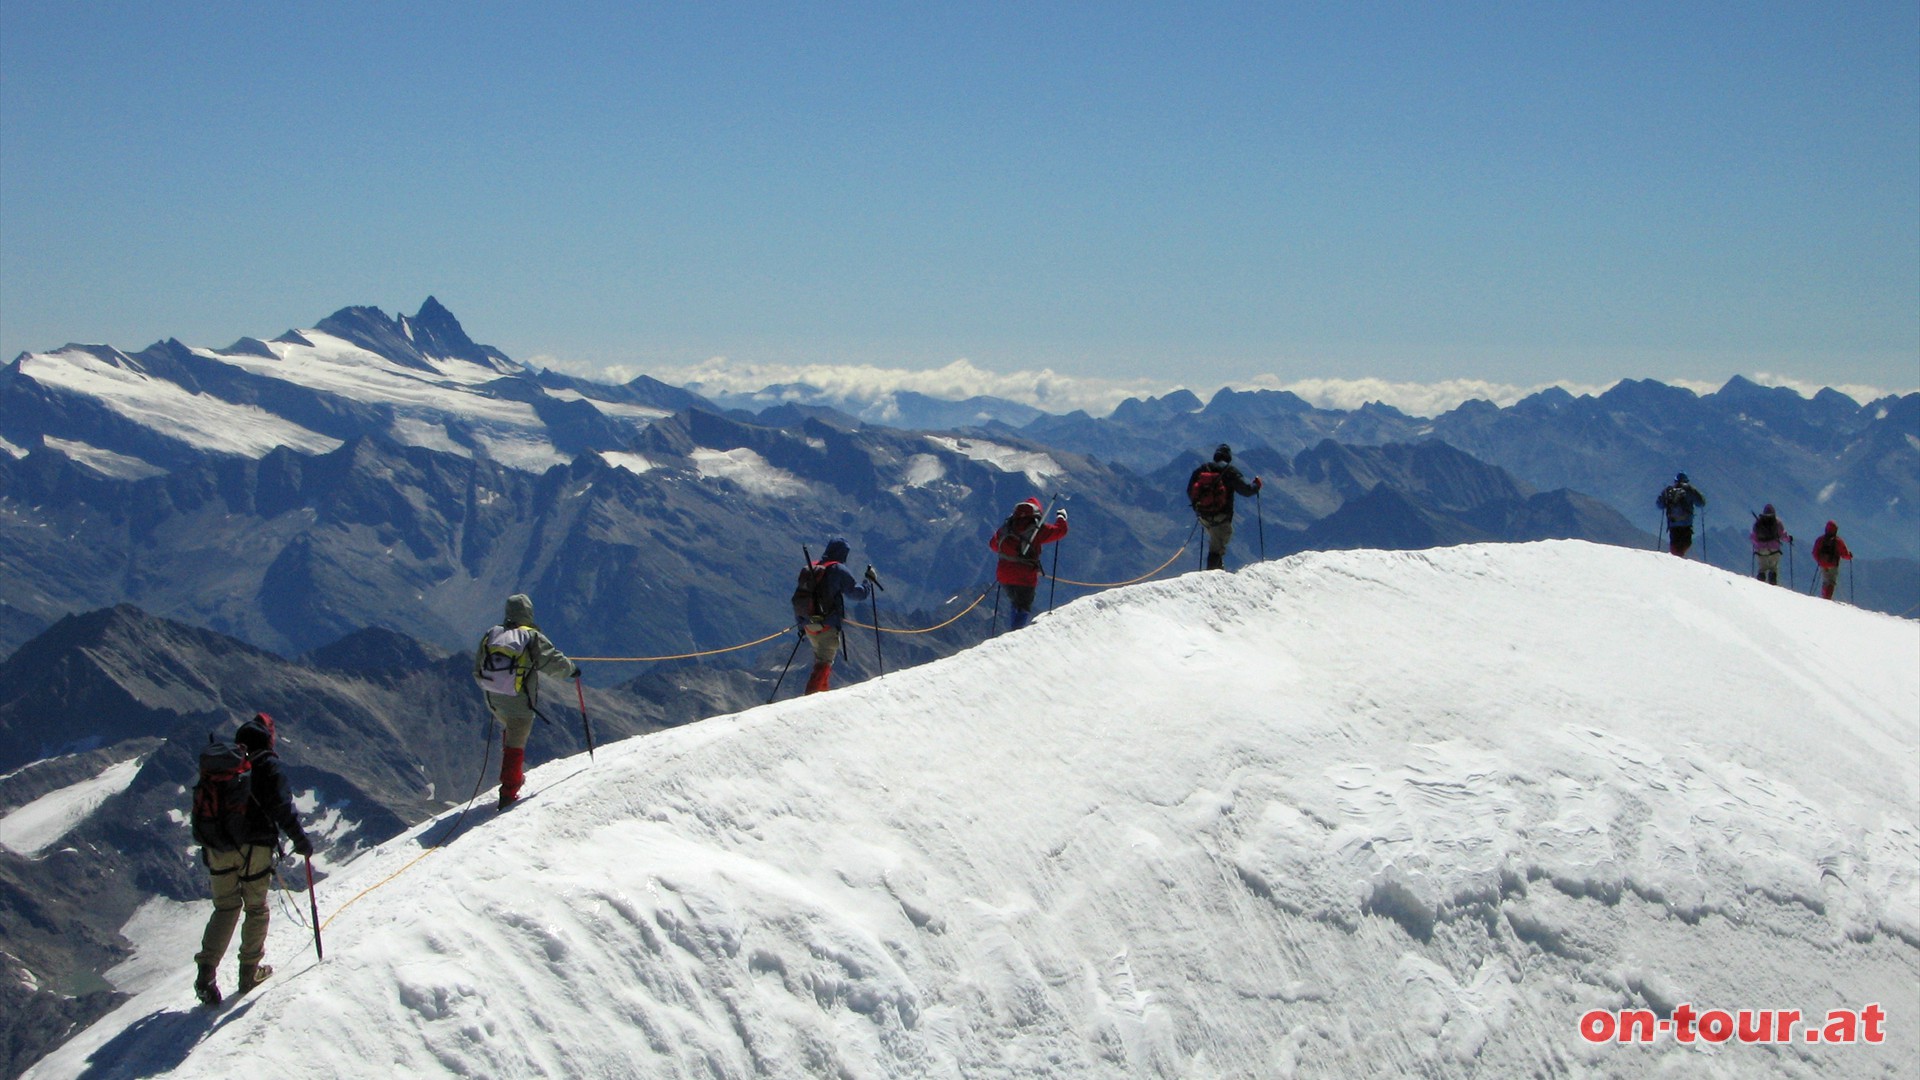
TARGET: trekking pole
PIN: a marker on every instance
(798, 638)
(1053, 580)
(1792, 581)
(313, 900)
(879, 661)
(994, 627)
(1260, 519)
(584, 725)
(1853, 578)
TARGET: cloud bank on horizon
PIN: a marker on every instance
(1053, 392)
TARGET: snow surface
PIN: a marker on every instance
(30, 829)
(748, 469)
(629, 410)
(923, 469)
(199, 420)
(1039, 467)
(422, 402)
(105, 462)
(340, 367)
(622, 459)
(1350, 813)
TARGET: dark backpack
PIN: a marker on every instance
(1766, 528)
(1024, 528)
(1823, 550)
(810, 592)
(1207, 492)
(221, 795)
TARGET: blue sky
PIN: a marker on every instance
(1197, 194)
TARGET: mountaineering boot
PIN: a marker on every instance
(1216, 560)
(252, 975)
(207, 987)
(513, 773)
(818, 681)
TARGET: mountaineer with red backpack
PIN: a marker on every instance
(507, 665)
(820, 607)
(1018, 542)
(1210, 491)
(1828, 551)
(241, 805)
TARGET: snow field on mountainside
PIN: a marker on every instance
(30, 829)
(198, 420)
(1038, 467)
(1350, 813)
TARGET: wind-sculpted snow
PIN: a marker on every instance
(1353, 813)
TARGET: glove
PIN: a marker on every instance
(302, 845)
(1256, 483)
(869, 574)
(576, 672)
(1060, 515)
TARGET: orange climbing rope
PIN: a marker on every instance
(928, 630)
(684, 656)
(1135, 581)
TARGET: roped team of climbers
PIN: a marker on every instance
(513, 655)
(1680, 499)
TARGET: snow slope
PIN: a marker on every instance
(1352, 813)
(198, 420)
(30, 829)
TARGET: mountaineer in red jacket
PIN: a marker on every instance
(1827, 553)
(1018, 542)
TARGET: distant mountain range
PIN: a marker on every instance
(323, 523)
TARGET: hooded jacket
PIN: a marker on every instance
(1678, 499)
(1018, 542)
(1235, 481)
(270, 812)
(540, 656)
(837, 586)
(1830, 549)
(1769, 522)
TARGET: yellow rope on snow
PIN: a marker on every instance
(1135, 581)
(928, 630)
(681, 656)
(375, 885)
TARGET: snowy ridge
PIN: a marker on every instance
(201, 421)
(444, 403)
(1351, 813)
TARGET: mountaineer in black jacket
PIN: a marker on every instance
(241, 875)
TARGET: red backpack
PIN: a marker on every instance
(810, 592)
(1207, 491)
